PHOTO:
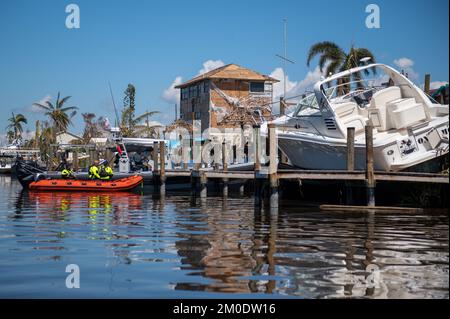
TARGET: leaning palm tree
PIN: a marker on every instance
(335, 59)
(15, 124)
(58, 113)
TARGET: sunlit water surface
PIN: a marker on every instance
(129, 245)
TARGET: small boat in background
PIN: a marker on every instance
(5, 168)
(122, 184)
(5, 164)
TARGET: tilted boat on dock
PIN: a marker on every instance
(409, 127)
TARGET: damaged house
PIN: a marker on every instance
(227, 97)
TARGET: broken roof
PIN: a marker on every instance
(229, 71)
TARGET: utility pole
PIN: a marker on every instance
(285, 56)
(176, 111)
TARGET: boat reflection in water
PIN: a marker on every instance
(132, 245)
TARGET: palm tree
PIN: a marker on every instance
(15, 124)
(58, 113)
(10, 136)
(46, 138)
(336, 59)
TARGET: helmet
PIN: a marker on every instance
(103, 162)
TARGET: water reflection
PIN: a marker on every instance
(138, 245)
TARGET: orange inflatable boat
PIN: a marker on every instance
(122, 184)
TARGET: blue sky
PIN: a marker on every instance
(151, 43)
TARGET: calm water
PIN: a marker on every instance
(130, 245)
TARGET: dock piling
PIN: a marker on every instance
(203, 185)
(224, 168)
(273, 178)
(75, 160)
(162, 170)
(257, 168)
(350, 148)
(370, 176)
(155, 156)
(350, 163)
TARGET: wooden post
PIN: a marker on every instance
(184, 154)
(224, 168)
(282, 106)
(370, 176)
(350, 163)
(350, 148)
(273, 179)
(257, 147)
(155, 156)
(242, 189)
(162, 169)
(203, 184)
(193, 185)
(427, 83)
(257, 182)
(75, 160)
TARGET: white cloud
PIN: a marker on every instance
(171, 94)
(406, 65)
(210, 65)
(37, 109)
(308, 82)
(437, 84)
(294, 88)
(278, 88)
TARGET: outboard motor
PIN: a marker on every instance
(26, 171)
(124, 163)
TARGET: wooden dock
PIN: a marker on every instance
(269, 177)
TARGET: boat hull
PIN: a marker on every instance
(314, 154)
(123, 184)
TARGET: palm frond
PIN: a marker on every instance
(320, 48)
(69, 108)
(45, 107)
(64, 100)
(145, 115)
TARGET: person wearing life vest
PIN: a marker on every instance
(105, 171)
(94, 172)
(67, 173)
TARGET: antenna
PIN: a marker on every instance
(284, 57)
(114, 104)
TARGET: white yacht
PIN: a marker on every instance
(409, 127)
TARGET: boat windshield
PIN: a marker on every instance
(307, 106)
(359, 87)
